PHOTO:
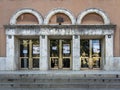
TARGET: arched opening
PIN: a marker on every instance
(93, 15)
(28, 15)
(27, 18)
(92, 19)
(60, 19)
(92, 51)
(26, 44)
(61, 15)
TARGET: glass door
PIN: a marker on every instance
(29, 54)
(54, 54)
(60, 54)
(90, 53)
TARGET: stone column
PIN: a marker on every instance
(76, 52)
(17, 52)
(10, 52)
(108, 52)
(43, 53)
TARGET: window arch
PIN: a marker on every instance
(59, 10)
(13, 19)
(26, 18)
(92, 19)
(93, 10)
(59, 18)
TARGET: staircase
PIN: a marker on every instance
(55, 80)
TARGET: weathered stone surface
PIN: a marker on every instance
(43, 63)
(76, 52)
(2, 63)
(59, 30)
(59, 79)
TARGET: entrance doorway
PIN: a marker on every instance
(60, 53)
(29, 54)
(90, 53)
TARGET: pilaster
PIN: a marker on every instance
(43, 52)
(108, 52)
(10, 51)
(76, 52)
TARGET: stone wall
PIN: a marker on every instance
(116, 63)
(2, 63)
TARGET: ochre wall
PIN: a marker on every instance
(27, 19)
(65, 17)
(9, 7)
(91, 19)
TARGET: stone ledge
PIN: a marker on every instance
(61, 72)
(113, 27)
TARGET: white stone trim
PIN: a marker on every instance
(2, 63)
(26, 10)
(59, 10)
(10, 53)
(116, 63)
(93, 10)
(76, 52)
(43, 63)
(108, 53)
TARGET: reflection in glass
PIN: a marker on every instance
(96, 49)
(96, 53)
(84, 48)
(90, 53)
(54, 63)
(35, 63)
(29, 49)
(84, 62)
(24, 63)
(35, 48)
(66, 63)
(66, 48)
(54, 48)
(24, 52)
(60, 51)
(24, 48)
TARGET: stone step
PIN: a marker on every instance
(49, 85)
(58, 76)
(59, 88)
(59, 81)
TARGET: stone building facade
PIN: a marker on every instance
(59, 45)
(59, 36)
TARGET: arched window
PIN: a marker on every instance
(59, 16)
(93, 15)
(27, 16)
(92, 19)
